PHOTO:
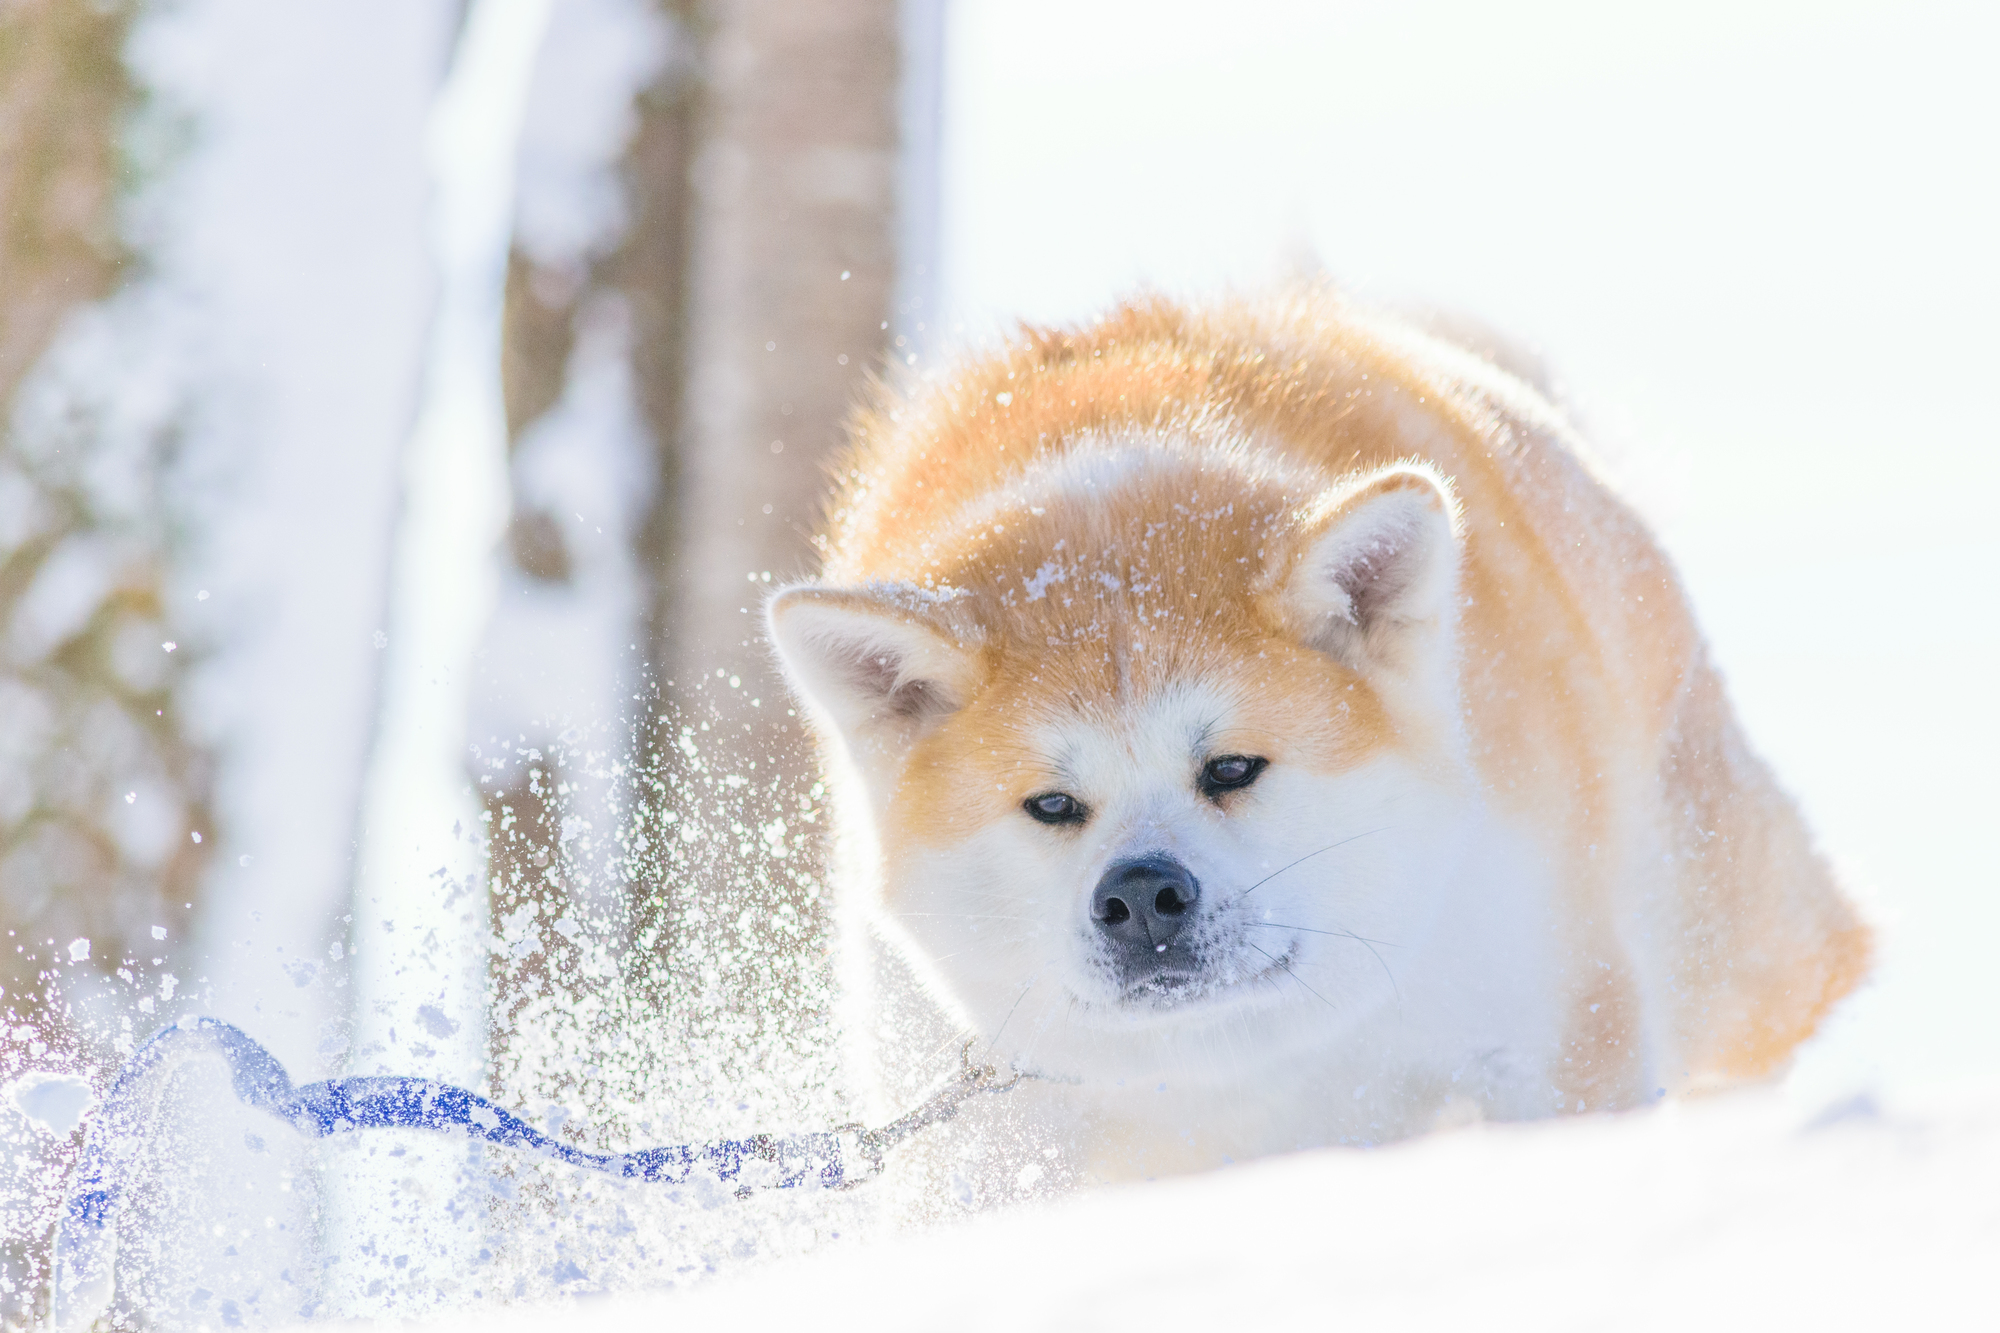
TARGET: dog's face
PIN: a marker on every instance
(1155, 793)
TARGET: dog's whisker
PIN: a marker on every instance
(1286, 964)
(1313, 930)
(1302, 860)
(951, 1041)
(1010, 1012)
(1362, 940)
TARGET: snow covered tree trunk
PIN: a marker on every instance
(289, 291)
(759, 273)
(101, 783)
(421, 854)
(421, 895)
(591, 308)
(208, 453)
(85, 681)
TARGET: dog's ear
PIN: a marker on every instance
(1372, 574)
(880, 671)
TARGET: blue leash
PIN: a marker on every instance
(85, 1249)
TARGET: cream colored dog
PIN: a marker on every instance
(1261, 723)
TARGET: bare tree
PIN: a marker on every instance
(793, 271)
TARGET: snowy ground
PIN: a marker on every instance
(1737, 1213)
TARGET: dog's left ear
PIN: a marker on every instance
(879, 669)
(1373, 571)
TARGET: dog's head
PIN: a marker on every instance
(1160, 757)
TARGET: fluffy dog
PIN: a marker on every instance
(1261, 723)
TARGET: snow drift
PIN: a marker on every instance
(1736, 1213)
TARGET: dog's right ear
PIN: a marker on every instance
(1373, 571)
(864, 660)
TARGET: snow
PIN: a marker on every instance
(558, 662)
(418, 952)
(1736, 1213)
(288, 295)
(595, 58)
(1747, 1210)
(420, 900)
(75, 576)
(921, 28)
(54, 1103)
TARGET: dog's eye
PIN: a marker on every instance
(1230, 772)
(1056, 807)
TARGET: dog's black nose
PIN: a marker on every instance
(1141, 904)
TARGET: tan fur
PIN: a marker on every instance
(1591, 715)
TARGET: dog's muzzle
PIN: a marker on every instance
(1140, 908)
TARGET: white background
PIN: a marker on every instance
(1759, 243)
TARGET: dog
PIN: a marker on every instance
(1261, 724)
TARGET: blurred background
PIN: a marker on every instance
(408, 402)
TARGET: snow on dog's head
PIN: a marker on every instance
(1160, 757)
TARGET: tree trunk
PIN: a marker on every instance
(792, 277)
